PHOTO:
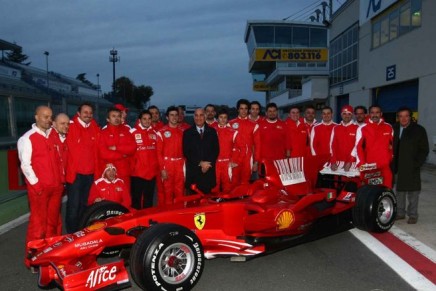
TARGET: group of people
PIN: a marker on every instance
(173, 159)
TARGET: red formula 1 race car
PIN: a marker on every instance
(165, 247)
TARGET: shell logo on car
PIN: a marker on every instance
(284, 219)
(96, 226)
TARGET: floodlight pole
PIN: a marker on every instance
(98, 86)
(46, 53)
(113, 58)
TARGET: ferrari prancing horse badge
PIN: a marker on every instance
(200, 220)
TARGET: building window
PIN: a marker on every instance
(300, 37)
(5, 126)
(343, 56)
(397, 21)
(318, 37)
(264, 35)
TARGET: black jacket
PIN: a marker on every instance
(410, 153)
(197, 149)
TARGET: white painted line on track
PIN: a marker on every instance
(14, 223)
(415, 244)
(18, 221)
(404, 270)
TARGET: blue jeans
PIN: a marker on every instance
(78, 193)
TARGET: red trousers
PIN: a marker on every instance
(242, 173)
(44, 213)
(174, 185)
(224, 181)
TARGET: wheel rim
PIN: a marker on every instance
(385, 210)
(176, 263)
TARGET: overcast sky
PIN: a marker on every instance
(190, 51)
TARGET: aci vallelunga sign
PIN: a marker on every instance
(371, 8)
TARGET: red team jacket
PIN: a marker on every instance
(145, 164)
(62, 150)
(169, 144)
(249, 135)
(343, 140)
(120, 137)
(297, 138)
(374, 144)
(82, 143)
(273, 139)
(39, 159)
(230, 145)
(320, 139)
(106, 190)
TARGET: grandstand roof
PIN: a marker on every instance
(7, 46)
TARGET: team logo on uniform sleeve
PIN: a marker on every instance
(235, 125)
(138, 138)
(167, 134)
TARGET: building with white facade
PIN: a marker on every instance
(383, 52)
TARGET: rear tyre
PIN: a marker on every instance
(101, 211)
(167, 257)
(376, 208)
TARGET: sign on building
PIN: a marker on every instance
(371, 8)
(391, 72)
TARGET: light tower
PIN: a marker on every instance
(46, 53)
(113, 58)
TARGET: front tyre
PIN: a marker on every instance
(167, 257)
(100, 211)
(376, 208)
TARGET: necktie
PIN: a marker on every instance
(201, 133)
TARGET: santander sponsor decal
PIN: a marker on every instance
(101, 275)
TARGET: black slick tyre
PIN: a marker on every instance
(101, 211)
(167, 257)
(376, 208)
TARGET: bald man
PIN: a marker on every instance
(61, 124)
(41, 168)
(58, 134)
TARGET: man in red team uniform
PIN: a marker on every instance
(360, 113)
(374, 142)
(255, 109)
(124, 111)
(297, 137)
(182, 123)
(117, 146)
(343, 140)
(41, 168)
(228, 158)
(210, 113)
(82, 143)
(145, 167)
(155, 117)
(58, 135)
(272, 132)
(170, 158)
(250, 139)
(320, 140)
(109, 187)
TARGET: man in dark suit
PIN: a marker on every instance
(201, 149)
(410, 151)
